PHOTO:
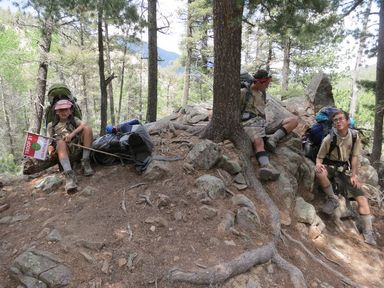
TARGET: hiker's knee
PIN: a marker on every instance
(363, 205)
(290, 123)
(322, 178)
(258, 143)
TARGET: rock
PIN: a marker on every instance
(49, 184)
(54, 236)
(88, 191)
(232, 167)
(204, 155)
(229, 242)
(227, 222)
(368, 175)
(156, 170)
(210, 185)
(13, 219)
(87, 257)
(43, 266)
(240, 187)
(208, 212)
(304, 212)
(92, 245)
(319, 91)
(239, 179)
(163, 200)
(158, 221)
(243, 201)
(246, 218)
(121, 262)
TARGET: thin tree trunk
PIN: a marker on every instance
(152, 62)
(122, 80)
(83, 74)
(109, 70)
(359, 56)
(7, 120)
(187, 73)
(103, 88)
(379, 108)
(286, 61)
(45, 47)
(269, 57)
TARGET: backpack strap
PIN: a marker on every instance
(248, 96)
(333, 145)
(354, 138)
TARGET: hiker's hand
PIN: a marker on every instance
(68, 138)
(51, 149)
(355, 181)
(320, 168)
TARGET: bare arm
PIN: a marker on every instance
(354, 166)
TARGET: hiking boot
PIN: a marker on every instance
(271, 144)
(88, 171)
(369, 238)
(330, 206)
(268, 173)
(70, 181)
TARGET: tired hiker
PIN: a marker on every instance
(66, 128)
(253, 103)
(342, 161)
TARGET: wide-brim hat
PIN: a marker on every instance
(63, 104)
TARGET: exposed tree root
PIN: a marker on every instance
(343, 278)
(223, 271)
(295, 273)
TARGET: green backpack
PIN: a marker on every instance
(55, 93)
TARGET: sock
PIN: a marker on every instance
(66, 164)
(329, 191)
(280, 133)
(367, 222)
(86, 153)
(262, 158)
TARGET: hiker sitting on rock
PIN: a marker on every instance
(65, 128)
(253, 103)
(342, 162)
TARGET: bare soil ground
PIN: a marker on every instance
(113, 237)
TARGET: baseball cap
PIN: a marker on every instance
(63, 104)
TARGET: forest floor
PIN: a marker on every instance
(121, 230)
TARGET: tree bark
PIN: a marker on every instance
(152, 62)
(286, 62)
(45, 47)
(109, 70)
(122, 79)
(187, 73)
(379, 106)
(359, 56)
(103, 87)
(225, 123)
(7, 120)
(83, 74)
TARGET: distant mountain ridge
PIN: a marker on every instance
(166, 57)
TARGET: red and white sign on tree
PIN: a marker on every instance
(36, 146)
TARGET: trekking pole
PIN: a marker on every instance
(81, 146)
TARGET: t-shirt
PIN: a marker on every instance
(256, 104)
(345, 147)
(62, 129)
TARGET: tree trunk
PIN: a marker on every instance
(152, 62)
(269, 58)
(379, 107)
(7, 120)
(122, 80)
(187, 73)
(227, 45)
(359, 56)
(286, 60)
(45, 47)
(83, 74)
(103, 88)
(109, 70)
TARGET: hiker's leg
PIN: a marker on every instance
(366, 217)
(70, 178)
(290, 123)
(362, 205)
(332, 200)
(62, 153)
(287, 125)
(87, 138)
(266, 171)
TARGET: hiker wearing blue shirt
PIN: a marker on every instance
(342, 161)
(255, 123)
(66, 128)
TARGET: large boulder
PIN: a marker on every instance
(319, 92)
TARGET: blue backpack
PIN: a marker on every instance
(314, 135)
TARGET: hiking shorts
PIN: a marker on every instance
(255, 127)
(343, 182)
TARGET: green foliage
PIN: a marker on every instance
(9, 165)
